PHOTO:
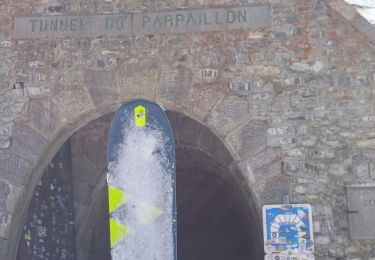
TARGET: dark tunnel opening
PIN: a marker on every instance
(212, 223)
(215, 221)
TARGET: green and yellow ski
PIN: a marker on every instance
(141, 184)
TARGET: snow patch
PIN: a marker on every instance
(365, 7)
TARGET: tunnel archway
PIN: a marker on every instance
(217, 217)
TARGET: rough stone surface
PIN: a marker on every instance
(14, 168)
(102, 86)
(9, 194)
(72, 101)
(249, 139)
(5, 142)
(204, 97)
(272, 191)
(5, 220)
(175, 83)
(229, 113)
(27, 142)
(2, 248)
(44, 116)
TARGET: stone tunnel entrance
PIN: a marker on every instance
(217, 216)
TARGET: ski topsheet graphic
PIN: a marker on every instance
(141, 184)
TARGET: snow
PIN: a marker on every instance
(365, 7)
(143, 173)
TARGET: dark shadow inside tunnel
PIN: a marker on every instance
(212, 223)
(217, 218)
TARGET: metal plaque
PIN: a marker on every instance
(361, 210)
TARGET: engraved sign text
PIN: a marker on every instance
(179, 21)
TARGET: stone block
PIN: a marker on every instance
(267, 172)
(301, 189)
(316, 67)
(240, 59)
(27, 142)
(5, 220)
(175, 84)
(366, 144)
(13, 104)
(273, 190)
(276, 141)
(3, 244)
(362, 171)
(249, 139)
(140, 79)
(228, 114)
(13, 168)
(356, 247)
(323, 153)
(36, 91)
(9, 196)
(291, 166)
(263, 158)
(317, 226)
(261, 98)
(322, 240)
(102, 86)
(72, 101)
(295, 152)
(282, 130)
(266, 70)
(337, 169)
(44, 116)
(244, 85)
(299, 67)
(207, 74)
(203, 98)
(107, 63)
(5, 142)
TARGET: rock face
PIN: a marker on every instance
(288, 91)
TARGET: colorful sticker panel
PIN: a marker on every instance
(287, 229)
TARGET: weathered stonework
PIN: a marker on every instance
(14, 168)
(292, 100)
(9, 194)
(27, 142)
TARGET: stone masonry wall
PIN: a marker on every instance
(294, 102)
